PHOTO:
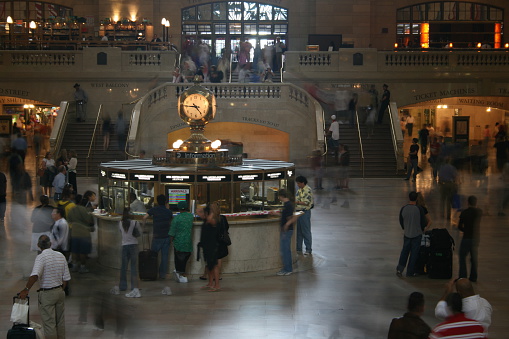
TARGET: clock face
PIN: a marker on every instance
(195, 106)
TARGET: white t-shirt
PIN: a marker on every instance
(60, 235)
(334, 128)
(410, 120)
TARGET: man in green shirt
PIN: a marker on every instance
(180, 233)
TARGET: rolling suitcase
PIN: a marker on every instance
(147, 262)
(441, 254)
(23, 331)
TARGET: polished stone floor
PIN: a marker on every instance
(348, 289)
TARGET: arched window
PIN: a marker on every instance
(461, 24)
(33, 10)
(224, 25)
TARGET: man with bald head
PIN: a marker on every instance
(474, 306)
(50, 269)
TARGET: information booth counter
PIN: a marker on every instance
(246, 193)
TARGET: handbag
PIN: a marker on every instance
(40, 172)
(136, 232)
(19, 313)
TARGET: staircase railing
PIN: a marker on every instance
(361, 145)
(58, 132)
(393, 134)
(92, 142)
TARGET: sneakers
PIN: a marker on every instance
(177, 276)
(134, 294)
(182, 279)
(283, 272)
(307, 254)
(399, 274)
(115, 290)
(83, 269)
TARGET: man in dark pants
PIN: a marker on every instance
(469, 224)
(3, 196)
(384, 103)
(286, 232)
(412, 221)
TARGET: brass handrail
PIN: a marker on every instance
(57, 134)
(360, 142)
(393, 135)
(93, 138)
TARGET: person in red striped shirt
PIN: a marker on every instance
(457, 326)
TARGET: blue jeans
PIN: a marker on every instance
(304, 231)
(285, 241)
(129, 254)
(468, 246)
(163, 245)
(410, 246)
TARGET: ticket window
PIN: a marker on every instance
(271, 189)
(205, 193)
(248, 196)
(117, 197)
(144, 192)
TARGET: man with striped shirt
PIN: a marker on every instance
(50, 269)
(457, 326)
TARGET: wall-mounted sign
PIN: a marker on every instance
(116, 175)
(247, 177)
(274, 175)
(177, 178)
(215, 178)
(144, 177)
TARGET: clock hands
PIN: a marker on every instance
(195, 106)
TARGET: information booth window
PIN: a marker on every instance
(214, 187)
(116, 196)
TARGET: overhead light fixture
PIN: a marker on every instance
(9, 20)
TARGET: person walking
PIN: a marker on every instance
(42, 221)
(413, 160)
(50, 269)
(71, 170)
(304, 202)
(81, 223)
(3, 195)
(413, 222)
(469, 223)
(81, 99)
(384, 103)
(130, 230)
(285, 233)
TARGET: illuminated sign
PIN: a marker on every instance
(248, 177)
(192, 155)
(115, 175)
(274, 175)
(144, 177)
(177, 178)
(214, 178)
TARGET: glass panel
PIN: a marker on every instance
(270, 192)
(265, 12)
(416, 29)
(220, 47)
(235, 10)
(265, 29)
(496, 14)
(464, 11)
(220, 28)
(280, 29)
(219, 11)
(235, 28)
(401, 28)
(19, 12)
(403, 14)
(249, 28)
(189, 29)
(250, 195)
(189, 14)
(205, 29)
(140, 189)
(204, 12)
(250, 11)
(450, 11)
(419, 12)
(280, 13)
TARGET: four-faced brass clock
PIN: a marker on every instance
(197, 105)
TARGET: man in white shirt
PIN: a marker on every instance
(474, 306)
(50, 269)
(135, 204)
(334, 133)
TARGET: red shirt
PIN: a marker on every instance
(457, 326)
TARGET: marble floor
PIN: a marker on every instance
(347, 289)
